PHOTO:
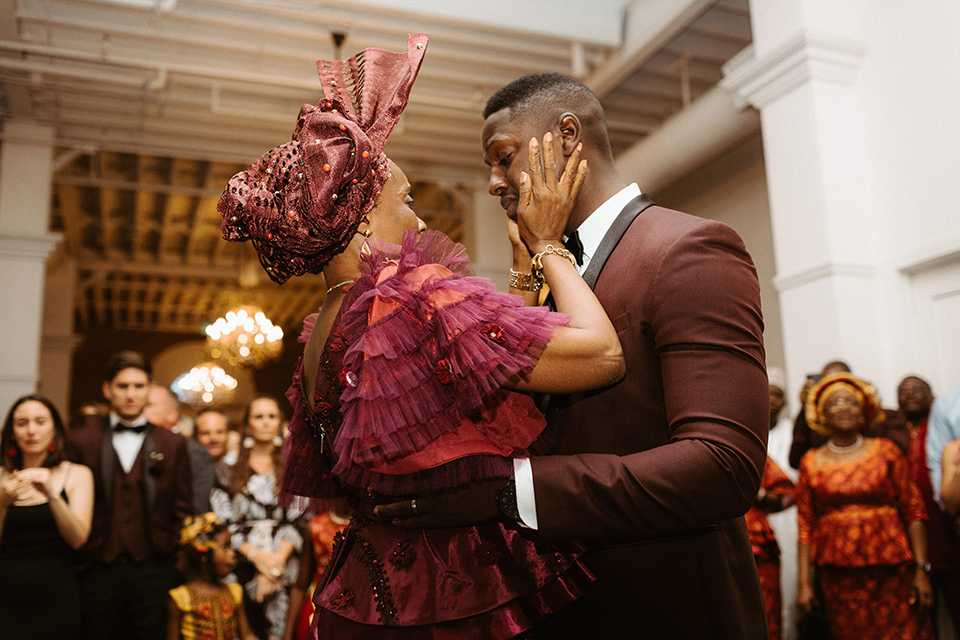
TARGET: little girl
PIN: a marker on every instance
(205, 608)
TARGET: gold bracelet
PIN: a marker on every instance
(524, 281)
(551, 250)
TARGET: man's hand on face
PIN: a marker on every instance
(546, 202)
(476, 504)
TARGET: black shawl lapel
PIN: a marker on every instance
(549, 404)
(610, 240)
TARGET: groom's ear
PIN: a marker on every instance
(571, 132)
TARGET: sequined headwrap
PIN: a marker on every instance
(301, 203)
(862, 390)
(198, 531)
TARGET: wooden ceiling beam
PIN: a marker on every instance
(150, 171)
(74, 218)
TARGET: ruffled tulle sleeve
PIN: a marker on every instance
(430, 348)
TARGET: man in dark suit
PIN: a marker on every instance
(653, 473)
(163, 410)
(142, 495)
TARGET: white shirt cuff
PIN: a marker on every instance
(526, 501)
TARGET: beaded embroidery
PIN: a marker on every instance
(379, 582)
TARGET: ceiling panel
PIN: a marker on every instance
(154, 110)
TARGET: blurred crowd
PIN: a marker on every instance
(141, 522)
(138, 521)
(854, 529)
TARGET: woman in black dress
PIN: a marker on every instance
(46, 506)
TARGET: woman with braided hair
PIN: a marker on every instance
(408, 383)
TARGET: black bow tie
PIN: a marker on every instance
(120, 428)
(574, 246)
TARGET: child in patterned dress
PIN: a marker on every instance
(205, 608)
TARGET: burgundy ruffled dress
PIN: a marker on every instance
(409, 396)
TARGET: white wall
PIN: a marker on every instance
(913, 98)
(859, 108)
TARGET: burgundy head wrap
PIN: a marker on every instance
(301, 203)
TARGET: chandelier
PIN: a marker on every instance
(244, 338)
(206, 384)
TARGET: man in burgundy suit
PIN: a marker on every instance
(142, 494)
(655, 472)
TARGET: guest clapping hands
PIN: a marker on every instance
(46, 507)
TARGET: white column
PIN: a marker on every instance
(58, 341)
(804, 77)
(25, 187)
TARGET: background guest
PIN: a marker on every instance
(915, 398)
(210, 429)
(163, 410)
(264, 534)
(890, 425)
(205, 608)
(141, 496)
(776, 494)
(46, 506)
(780, 436)
(89, 412)
(316, 555)
(944, 426)
(804, 438)
(784, 523)
(860, 520)
(234, 437)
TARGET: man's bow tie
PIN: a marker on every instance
(120, 428)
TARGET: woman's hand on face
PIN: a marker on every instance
(805, 599)
(519, 249)
(39, 479)
(545, 203)
(922, 590)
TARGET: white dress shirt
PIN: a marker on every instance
(591, 232)
(127, 443)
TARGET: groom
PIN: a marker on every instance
(654, 473)
(142, 494)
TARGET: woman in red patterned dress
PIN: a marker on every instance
(861, 522)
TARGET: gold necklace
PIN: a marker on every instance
(838, 449)
(338, 285)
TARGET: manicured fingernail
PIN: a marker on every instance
(548, 137)
(376, 511)
(534, 141)
(579, 146)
